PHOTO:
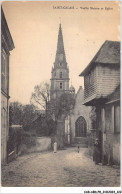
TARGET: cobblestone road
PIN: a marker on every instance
(66, 168)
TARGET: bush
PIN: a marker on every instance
(14, 140)
(29, 139)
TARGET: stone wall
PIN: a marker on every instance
(42, 144)
(4, 128)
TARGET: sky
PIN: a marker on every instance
(34, 27)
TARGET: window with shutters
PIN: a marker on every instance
(89, 79)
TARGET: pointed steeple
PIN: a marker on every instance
(60, 53)
(60, 44)
(60, 71)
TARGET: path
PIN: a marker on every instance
(66, 168)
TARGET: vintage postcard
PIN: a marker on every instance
(60, 95)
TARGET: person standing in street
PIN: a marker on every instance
(96, 152)
(78, 147)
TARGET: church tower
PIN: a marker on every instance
(60, 71)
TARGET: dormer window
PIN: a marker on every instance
(61, 74)
(60, 85)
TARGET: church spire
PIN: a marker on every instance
(60, 53)
(60, 71)
(60, 44)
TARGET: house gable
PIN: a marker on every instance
(102, 75)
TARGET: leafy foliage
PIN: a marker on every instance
(21, 114)
(28, 115)
(15, 113)
(61, 106)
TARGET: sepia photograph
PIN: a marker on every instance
(60, 94)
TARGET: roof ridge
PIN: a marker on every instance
(109, 55)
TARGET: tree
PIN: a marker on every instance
(21, 114)
(62, 106)
(15, 113)
(66, 103)
(41, 95)
(56, 109)
(28, 114)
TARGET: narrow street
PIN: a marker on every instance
(66, 168)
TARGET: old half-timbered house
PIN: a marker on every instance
(102, 90)
(6, 46)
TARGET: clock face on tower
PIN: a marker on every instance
(61, 57)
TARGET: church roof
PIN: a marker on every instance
(60, 47)
(109, 53)
(71, 87)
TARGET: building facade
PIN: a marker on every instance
(78, 123)
(102, 90)
(7, 45)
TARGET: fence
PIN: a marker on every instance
(14, 142)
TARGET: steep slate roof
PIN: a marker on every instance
(40, 112)
(109, 53)
(78, 92)
(6, 35)
(71, 87)
(60, 47)
(60, 44)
